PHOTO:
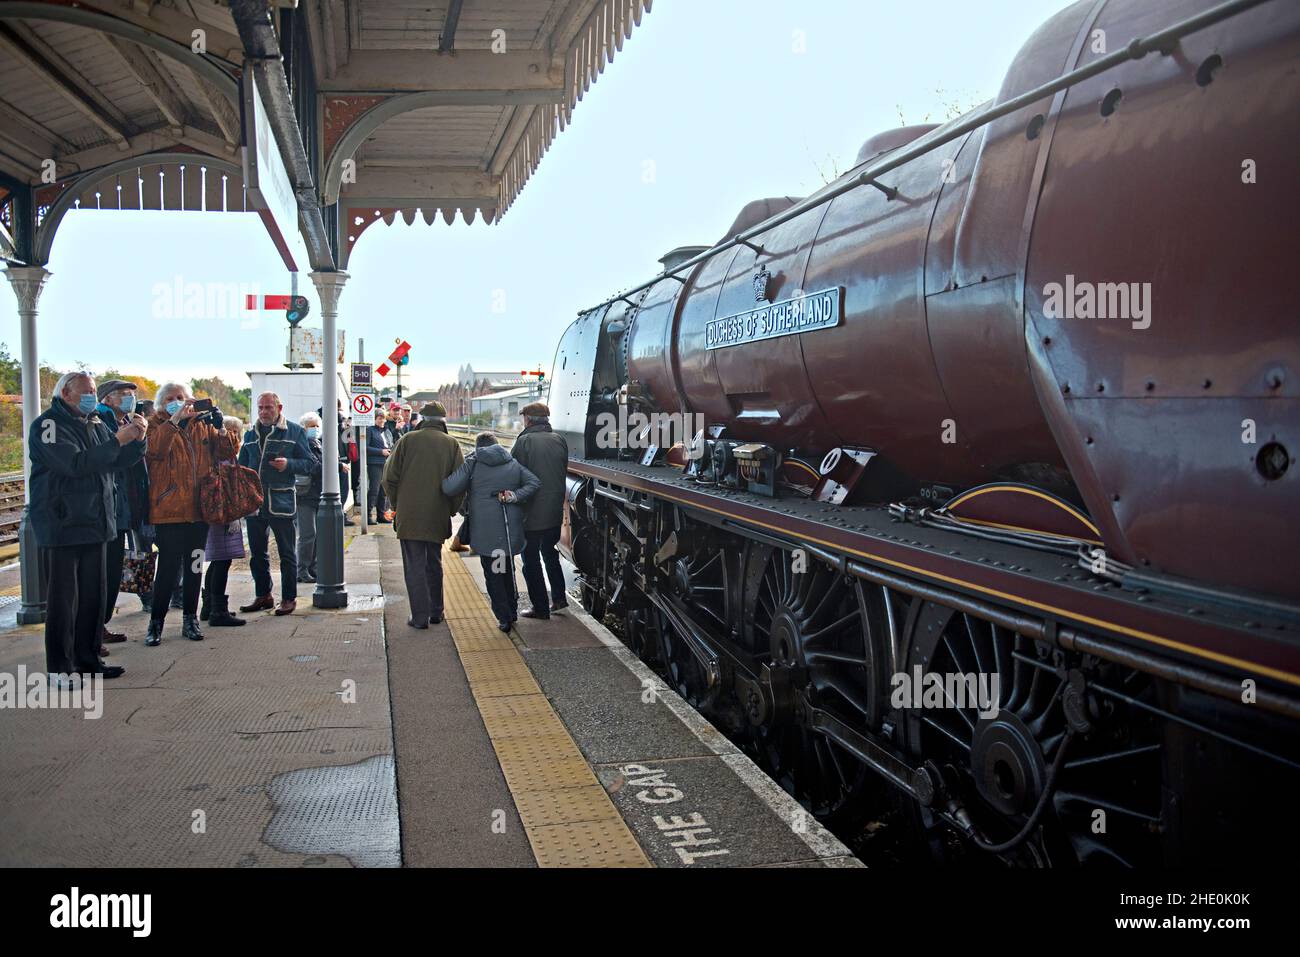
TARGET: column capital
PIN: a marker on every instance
(329, 285)
(28, 281)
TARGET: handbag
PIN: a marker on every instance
(138, 569)
(231, 492)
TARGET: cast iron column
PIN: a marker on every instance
(28, 281)
(329, 592)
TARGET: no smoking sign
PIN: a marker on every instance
(363, 404)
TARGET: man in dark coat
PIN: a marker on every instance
(131, 486)
(73, 507)
(277, 450)
(413, 477)
(546, 455)
(495, 487)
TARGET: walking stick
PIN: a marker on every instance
(510, 554)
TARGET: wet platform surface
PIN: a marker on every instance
(347, 738)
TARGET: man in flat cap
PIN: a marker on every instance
(117, 404)
(546, 455)
(412, 480)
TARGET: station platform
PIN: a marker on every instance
(347, 738)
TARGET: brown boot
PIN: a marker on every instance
(287, 607)
(107, 637)
(261, 603)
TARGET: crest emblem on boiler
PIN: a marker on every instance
(762, 279)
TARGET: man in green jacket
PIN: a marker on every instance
(546, 455)
(412, 480)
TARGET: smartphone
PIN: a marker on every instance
(202, 405)
(144, 407)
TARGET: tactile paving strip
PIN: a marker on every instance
(569, 819)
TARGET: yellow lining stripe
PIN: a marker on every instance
(809, 468)
(567, 814)
(1280, 675)
(1021, 528)
(1026, 491)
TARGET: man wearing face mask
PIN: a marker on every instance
(309, 487)
(117, 403)
(74, 514)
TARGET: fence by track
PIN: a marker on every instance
(11, 506)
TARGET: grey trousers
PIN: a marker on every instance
(422, 568)
(306, 539)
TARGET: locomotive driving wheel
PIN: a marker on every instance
(814, 634)
(996, 754)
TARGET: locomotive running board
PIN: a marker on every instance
(1040, 594)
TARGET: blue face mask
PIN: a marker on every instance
(174, 406)
(313, 433)
(128, 403)
(86, 404)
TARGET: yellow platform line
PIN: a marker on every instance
(568, 816)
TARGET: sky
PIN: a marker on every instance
(710, 104)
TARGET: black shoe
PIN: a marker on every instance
(154, 637)
(221, 616)
(559, 605)
(422, 625)
(347, 522)
(190, 628)
(205, 609)
(504, 626)
(108, 671)
(435, 619)
(534, 613)
(146, 600)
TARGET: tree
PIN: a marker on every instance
(229, 399)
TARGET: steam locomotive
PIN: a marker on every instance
(979, 518)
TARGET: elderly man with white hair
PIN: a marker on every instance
(278, 451)
(74, 515)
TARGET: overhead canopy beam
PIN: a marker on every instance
(177, 44)
(173, 25)
(326, 8)
(448, 38)
(59, 75)
(221, 110)
(32, 135)
(160, 87)
(396, 71)
(423, 183)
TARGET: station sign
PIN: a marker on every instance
(362, 377)
(270, 190)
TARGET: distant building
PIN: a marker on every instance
(472, 390)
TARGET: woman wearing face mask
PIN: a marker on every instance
(225, 544)
(184, 446)
(309, 487)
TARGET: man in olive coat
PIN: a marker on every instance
(412, 480)
(546, 455)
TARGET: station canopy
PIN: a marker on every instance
(379, 108)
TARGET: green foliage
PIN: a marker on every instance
(229, 399)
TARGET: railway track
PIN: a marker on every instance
(11, 506)
(465, 435)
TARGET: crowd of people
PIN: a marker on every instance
(114, 478)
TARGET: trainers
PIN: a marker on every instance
(534, 613)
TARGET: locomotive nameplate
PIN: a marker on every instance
(814, 310)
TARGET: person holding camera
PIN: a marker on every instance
(186, 441)
(116, 409)
(278, 451)
(72, 508)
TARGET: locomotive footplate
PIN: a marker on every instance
(1043, 595)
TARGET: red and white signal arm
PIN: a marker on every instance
(363, 403)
